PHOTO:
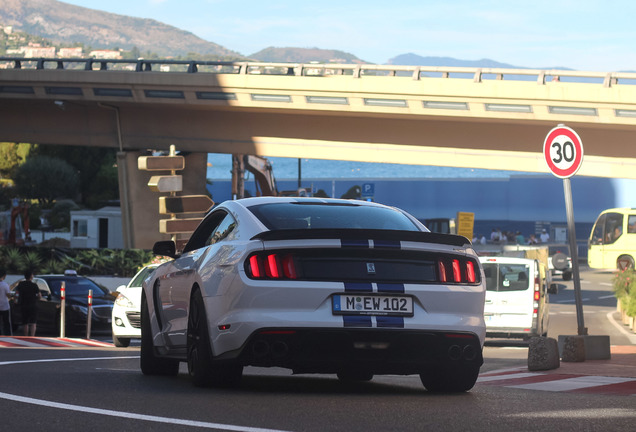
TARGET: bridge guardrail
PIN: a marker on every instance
(541, 76)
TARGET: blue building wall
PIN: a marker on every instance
(514, 203)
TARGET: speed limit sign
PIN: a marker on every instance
(563, 151)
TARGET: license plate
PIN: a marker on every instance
(356, 304)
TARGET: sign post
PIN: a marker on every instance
(63, 309)
(563, 152)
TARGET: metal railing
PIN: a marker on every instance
(607, 79)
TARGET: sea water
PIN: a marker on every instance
(220, 167)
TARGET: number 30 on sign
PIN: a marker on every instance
(563, 151)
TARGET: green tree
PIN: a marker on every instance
(12, 155)
(96, 167)
(46, 179)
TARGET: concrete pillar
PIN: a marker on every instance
(140, 206)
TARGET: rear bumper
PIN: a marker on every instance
(378, 351)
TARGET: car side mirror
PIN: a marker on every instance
(554, 289)
(165, 248)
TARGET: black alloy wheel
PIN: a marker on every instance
(201, 367)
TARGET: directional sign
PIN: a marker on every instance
(185, 204)
(176, 226)
(160, 163)
(563, 151)
(166, 183)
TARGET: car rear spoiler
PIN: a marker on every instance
(364, 234)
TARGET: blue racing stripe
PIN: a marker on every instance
(357, 321)
(358, 287)
(392, 244)
(354, 243)
(389, 321)
(390, 288)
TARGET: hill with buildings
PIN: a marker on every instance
(63, 23)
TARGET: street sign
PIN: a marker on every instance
(185, 204)
(563, 151)
(177, 226)
(166, 183)
(624, 264)
(465, 224)
(161, 163)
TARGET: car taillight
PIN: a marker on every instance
(255, 267)
(442, 271)
(271, 266)
(537, 293)
(470, 272)
(456, 270)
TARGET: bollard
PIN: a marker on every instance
(88, 314)
(62, 309)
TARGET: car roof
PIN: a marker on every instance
(505, 260)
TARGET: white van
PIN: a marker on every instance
(517, 291)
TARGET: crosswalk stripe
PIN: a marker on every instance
(39, 342)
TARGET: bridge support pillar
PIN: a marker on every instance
(140, 206)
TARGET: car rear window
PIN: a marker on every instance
(75, 286)
(319, 215)
(506, 277)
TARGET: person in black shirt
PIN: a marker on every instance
(28, 294)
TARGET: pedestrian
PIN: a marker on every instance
(545, 237)
(28, 295)
(5, 308)
(520, 238)
(532, 240)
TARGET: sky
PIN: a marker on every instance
(589, 35)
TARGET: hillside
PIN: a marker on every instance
(304, 55)
(64, 23)
(411, 59)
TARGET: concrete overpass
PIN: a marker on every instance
(462, 117)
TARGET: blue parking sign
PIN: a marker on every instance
(368, 190)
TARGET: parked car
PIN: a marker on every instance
(314, 285)
(560, 261)
(76, 311)
(517, 297)
(126, 316)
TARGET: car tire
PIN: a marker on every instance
(354, 376)
(201, 367)
(450, 380)
(150, 363)
(567, 275)
(121, 342)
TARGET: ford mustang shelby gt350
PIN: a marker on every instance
(342, 287)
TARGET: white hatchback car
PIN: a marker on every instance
(126, 321)
(314, 285)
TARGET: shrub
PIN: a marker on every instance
(625, 290)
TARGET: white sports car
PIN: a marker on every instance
(315, 285)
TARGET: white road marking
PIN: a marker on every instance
(506, 377)
(121, 414)
(573, 383)
(606, 297)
